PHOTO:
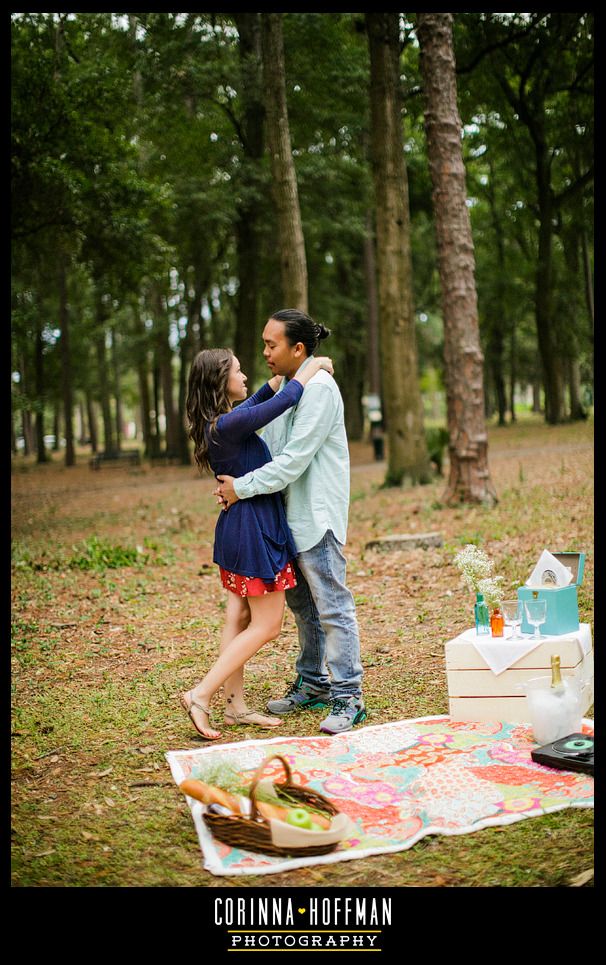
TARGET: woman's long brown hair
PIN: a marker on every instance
(207, 398)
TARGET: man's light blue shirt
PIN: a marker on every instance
(310, 461)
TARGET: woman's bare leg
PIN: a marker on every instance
(237, 618)
(266, 614)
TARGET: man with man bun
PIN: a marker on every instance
(310, 462)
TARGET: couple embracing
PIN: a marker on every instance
(285, 501)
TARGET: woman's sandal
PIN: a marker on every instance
(187, 706)
(252, 717)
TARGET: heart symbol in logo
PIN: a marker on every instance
(301, 911)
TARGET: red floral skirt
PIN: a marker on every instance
(254, 586)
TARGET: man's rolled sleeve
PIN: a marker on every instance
(244, 486)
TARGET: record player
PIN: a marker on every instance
(571, 753)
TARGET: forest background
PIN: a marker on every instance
(145, 228)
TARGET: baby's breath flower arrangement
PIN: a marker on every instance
(474, 566)
(492, 590)
(476, 569)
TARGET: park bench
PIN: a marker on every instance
(130, 456)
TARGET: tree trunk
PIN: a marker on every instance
(407, 449)
(104, 391)
(588, 277)
(92, 422)
(469, 478)
(574, 387)
(293, 264)
(28, 435)
(81, 424)
(352, 389)
(117, 388)
(498, 313)
(513, 357)
(165, 363)
(26, 415)
(250, 208)
(372, 304)
(571, 240)
(39, 383)
(351, 379)
(56, 426)
(185, 357)
(157, 434)
(142, 375)
(552, 382)
(66, 363)
(14, 449)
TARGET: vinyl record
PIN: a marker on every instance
(574, 744)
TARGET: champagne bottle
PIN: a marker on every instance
(557, 684)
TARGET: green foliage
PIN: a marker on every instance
(96, 554)
(129, 161)
(99, 554)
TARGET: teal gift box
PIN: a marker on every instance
(562, 601)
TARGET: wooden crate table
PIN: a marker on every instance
(476, 692)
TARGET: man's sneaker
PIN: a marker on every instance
(299, 696)
(346, 713)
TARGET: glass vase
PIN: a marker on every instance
(481, 616)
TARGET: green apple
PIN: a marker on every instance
(299, 818)
(316, 827)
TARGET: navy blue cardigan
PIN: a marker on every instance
(252, 538)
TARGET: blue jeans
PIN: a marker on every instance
(325, 615)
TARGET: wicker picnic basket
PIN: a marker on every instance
(253, 831)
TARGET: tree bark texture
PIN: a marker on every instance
(577, 410)
(372, 302)
(164, 356)
(588, 277)
(250, 208)
(407, 449)
(157, 435)
(92, 422)
(351, 379)
(14, 449)
(142, 377)
(293, 263)
(546, 334)
(39, 373)
(469, 479)
(28, 432)
(66, 363)
(26, 416)
(185, 358)
(56, 426)
(498, 315)
(117, 387)
(102, 369)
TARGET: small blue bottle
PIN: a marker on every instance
(482, 616)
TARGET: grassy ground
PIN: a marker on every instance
(99, 655)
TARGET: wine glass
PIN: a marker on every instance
(512, 613)
(536, 614)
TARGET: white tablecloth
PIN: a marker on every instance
(500, 653)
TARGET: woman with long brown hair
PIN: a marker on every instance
(253, 546)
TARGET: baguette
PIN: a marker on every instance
(271, 811)
(209, 794)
